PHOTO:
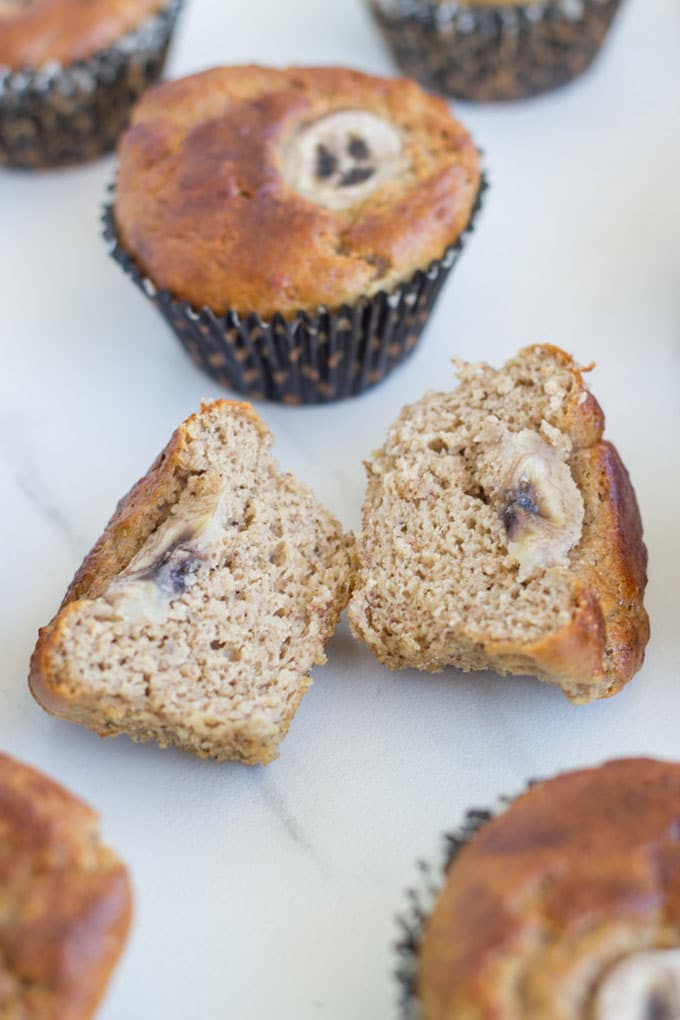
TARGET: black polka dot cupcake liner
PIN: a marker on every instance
(422, 896)
(488, 53)
(58, 116)
(310, 359)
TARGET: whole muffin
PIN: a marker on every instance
(490, 50)
(566, 906)
(70, 72)
(65, 901)
(294, 226)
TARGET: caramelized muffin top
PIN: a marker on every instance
(270, 191)
(566, 906)
(65, 900)
(37, 32)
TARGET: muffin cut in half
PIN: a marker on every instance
(65, 901)
(198, 615)
(501, 532)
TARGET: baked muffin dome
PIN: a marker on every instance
(65, 900)
(566, 906)
(36, 32)
(268, 191)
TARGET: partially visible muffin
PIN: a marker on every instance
(65, 901)
(489, 50)
(500, 531)
(304, 217)
(198, 615)
(566, 906)
(39, 32)
(71, 71)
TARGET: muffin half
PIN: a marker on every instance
(200, 612)
(500, 531)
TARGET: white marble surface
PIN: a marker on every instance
(271, 892)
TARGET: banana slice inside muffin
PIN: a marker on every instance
(527, 476)
(170, 557)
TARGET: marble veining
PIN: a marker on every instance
(19, 457)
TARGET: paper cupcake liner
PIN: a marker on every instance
(423, 896)
(58, 115)
(494, 53)
(310, 359)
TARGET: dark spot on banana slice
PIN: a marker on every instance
(171, 570)
(518, 503)
(357, 175)
(357, 148)
(326, 163)
(659, 1008)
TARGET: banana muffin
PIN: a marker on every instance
(70, 72)
(294, 226)
(198, 615)
(500, 531)
(65, 901)
(565, 906)
(490, 50)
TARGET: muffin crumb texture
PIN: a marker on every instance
(65, 901)
(198, 616)
(500, 532)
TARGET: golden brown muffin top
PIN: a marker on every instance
(277, 190)
(36, 32)
(552, 906)
(64, 900)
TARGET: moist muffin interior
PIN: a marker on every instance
(452, 558)
(500, 532)
(205, 635)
